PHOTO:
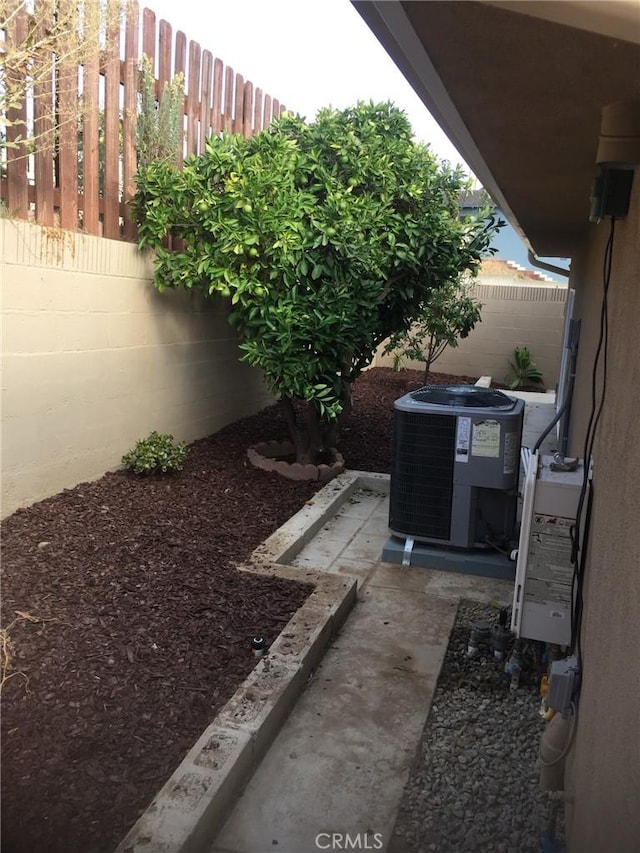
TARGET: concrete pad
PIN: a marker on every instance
(484, 382)
(356, 724)
(359, 569)
(539, 411)
(320, 552)
(440, 583)
(341, 527)
(365, 546)
(450, 585)
(358, 506)
(378, 522)
(289, 539)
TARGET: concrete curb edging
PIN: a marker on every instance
(191, 807)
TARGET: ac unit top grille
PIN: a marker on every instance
(463, 396)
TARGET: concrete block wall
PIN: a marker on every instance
(95, 358)
(513, 314)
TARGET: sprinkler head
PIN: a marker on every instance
(258, 644)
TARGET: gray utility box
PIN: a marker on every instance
(543, 592)
(454, 467)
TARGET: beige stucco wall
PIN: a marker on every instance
(605, 771)
(94, 359)
(513, 314)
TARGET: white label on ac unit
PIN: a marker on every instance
(462, 439)
(486, 439)
(510, 452)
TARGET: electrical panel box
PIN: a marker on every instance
(543, 594)
(562, 683)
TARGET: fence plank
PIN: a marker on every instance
(205, 102)
(164, 55)
(43, 127)
(257, 111)
(227, 120)
(90, 149)
(239, 104)
(267, 111)
(181, 53)
(149, 35)
(68, 127)
(248, 109)
(17, 158)
(193, 98)
(111, 192)
(129, 153)
(179, 68)
(216, 109)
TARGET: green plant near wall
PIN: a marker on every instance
(524, 371)
(449, 313)
(154, 454)
(159, 129)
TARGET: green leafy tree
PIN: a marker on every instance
(449, 314)
(326, 236)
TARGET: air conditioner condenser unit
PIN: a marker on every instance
(455, 463)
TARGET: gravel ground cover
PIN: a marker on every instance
(474, 783)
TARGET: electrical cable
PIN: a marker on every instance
(566, 405)
(579, 536)
(567, 747)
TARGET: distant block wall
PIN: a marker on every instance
(94, 359)
(514, 314)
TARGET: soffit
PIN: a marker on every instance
(520, 96)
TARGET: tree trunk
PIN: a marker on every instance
(314, 436)
(332, 429)
(308, 442)
(428, 360)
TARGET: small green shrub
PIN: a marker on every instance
(154, 454)
(524, 370)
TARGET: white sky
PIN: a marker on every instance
(307, 53)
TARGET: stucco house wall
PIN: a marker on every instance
(604, 774)
(94, 358)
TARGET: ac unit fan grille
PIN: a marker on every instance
(422, 474)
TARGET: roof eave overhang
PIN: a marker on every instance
(395, 32)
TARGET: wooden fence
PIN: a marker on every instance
(78, 172)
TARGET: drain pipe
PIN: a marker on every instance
(572, 345)
(543, 265)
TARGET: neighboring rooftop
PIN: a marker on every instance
(497, 267)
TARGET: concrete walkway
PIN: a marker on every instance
(341, 760)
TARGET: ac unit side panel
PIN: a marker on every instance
(421, 487)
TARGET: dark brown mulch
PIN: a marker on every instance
(131, 627)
